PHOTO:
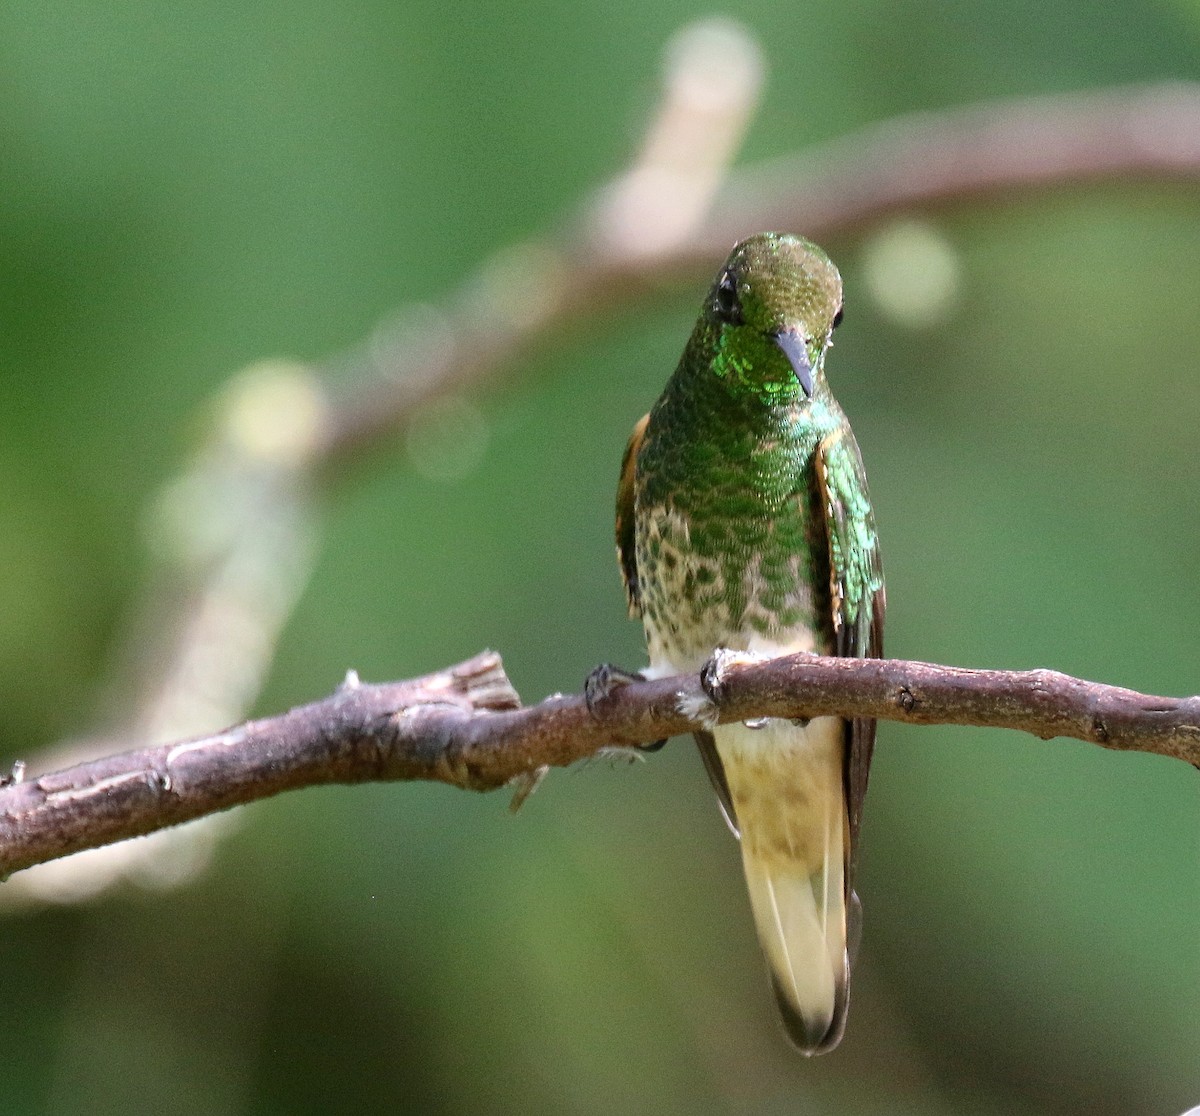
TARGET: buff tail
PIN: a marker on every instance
(787, 790)
(802, 931)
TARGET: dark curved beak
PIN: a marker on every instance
(792, 345)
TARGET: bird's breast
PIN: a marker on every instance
(709, 582)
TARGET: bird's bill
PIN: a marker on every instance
(792, 345)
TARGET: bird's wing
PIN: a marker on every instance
(707, 743)
(857, 598)
(627, 559)
(626, 549)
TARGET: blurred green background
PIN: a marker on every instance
(190, 188)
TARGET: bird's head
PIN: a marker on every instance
(769, 317)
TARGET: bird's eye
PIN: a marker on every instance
(726, 302)
(837, 318)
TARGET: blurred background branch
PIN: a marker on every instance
(464, 726)
(666, 219)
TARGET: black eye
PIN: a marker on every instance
(726, 301)
(837, 318)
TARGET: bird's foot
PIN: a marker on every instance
(704, 708)
(715, 671)
(600, 684)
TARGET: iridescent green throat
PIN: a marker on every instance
(748, 361)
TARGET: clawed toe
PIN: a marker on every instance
(602, 682)
(712, 674)
(712, 681)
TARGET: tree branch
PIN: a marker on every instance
(465, 727)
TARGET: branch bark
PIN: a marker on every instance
(465, 726)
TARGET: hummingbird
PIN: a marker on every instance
(745, 531)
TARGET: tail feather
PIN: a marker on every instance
(802, 928)
(786, 784)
